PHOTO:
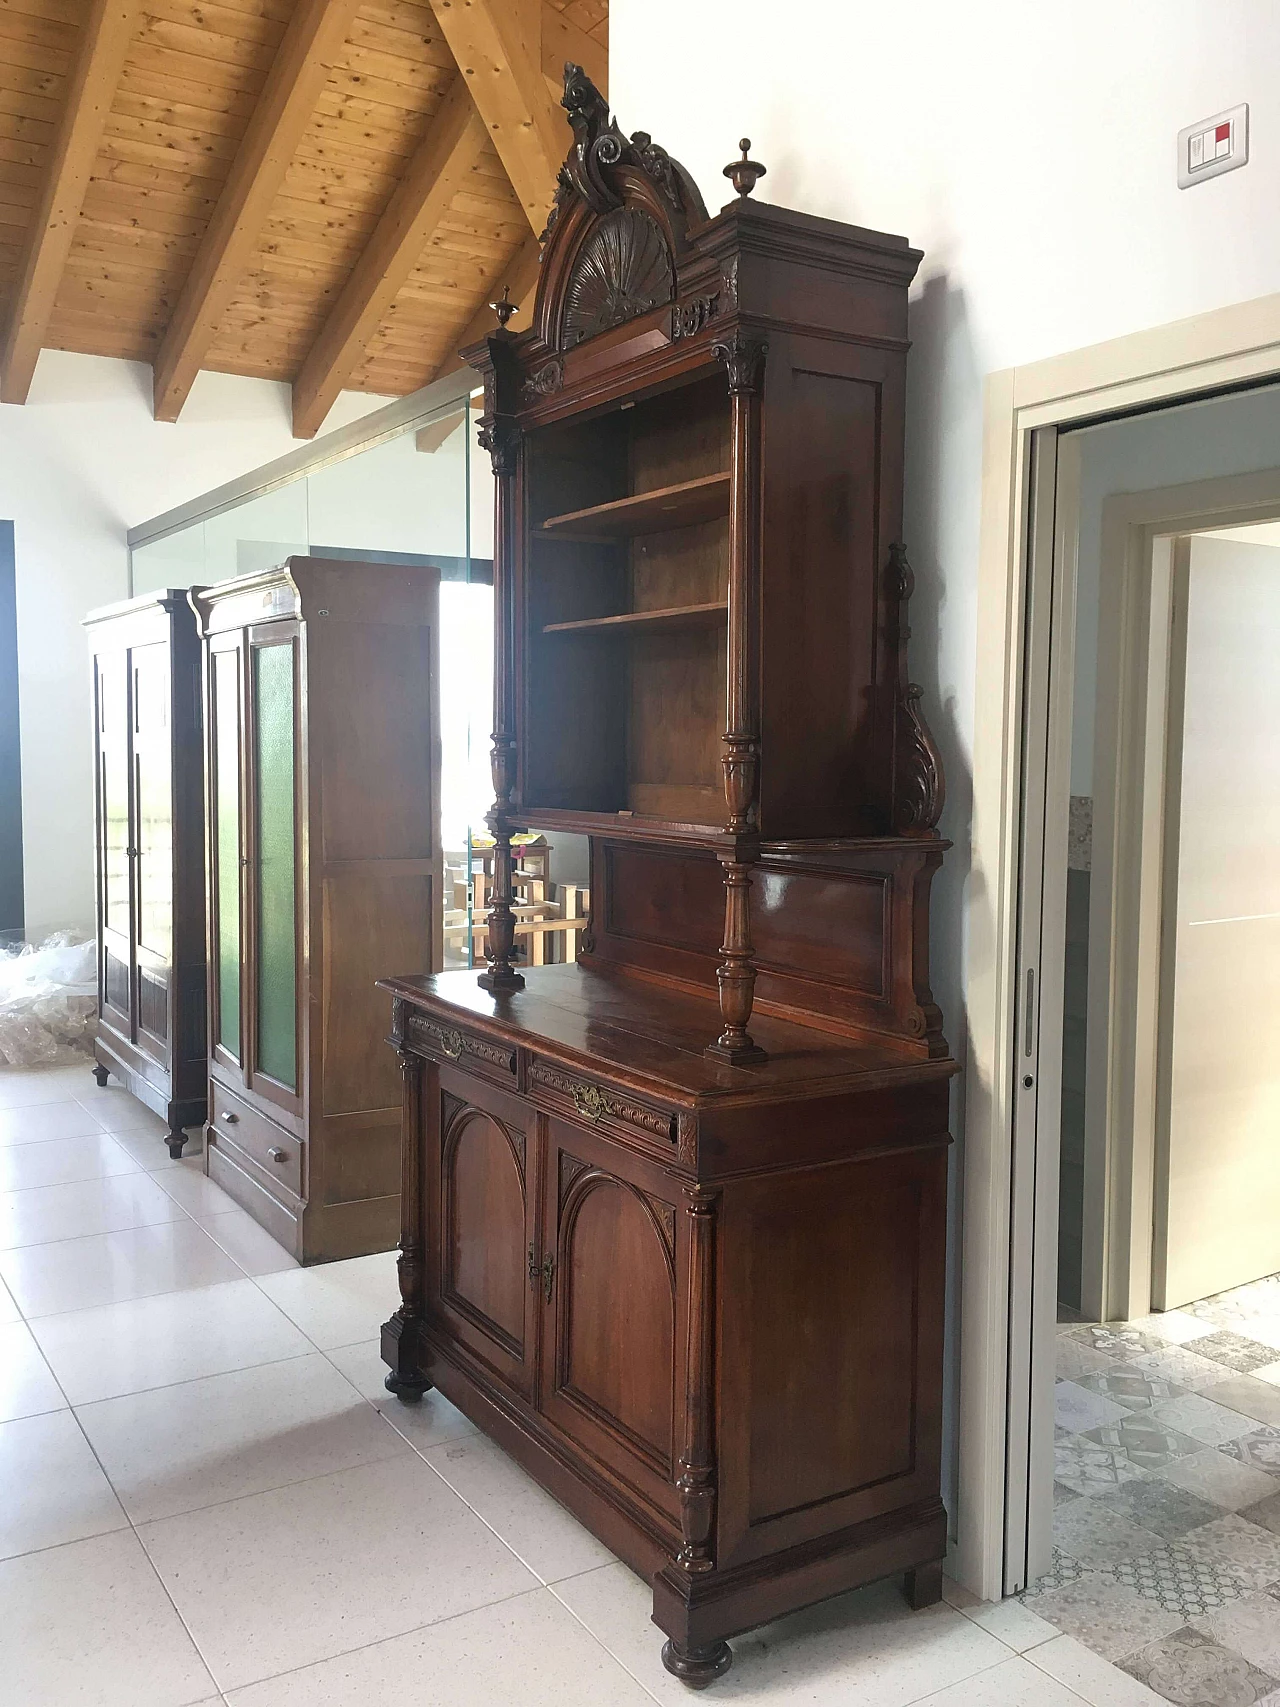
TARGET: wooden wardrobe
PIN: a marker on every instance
(674, 1216)
(321, 685)
(149, 848)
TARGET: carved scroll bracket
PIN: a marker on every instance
(919, 783)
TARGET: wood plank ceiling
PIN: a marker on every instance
(326, 192)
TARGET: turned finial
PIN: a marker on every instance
(744, 173)
(504, 308)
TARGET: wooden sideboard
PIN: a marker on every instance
(674, 1216)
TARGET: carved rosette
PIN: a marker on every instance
(689, 317)
(544, 381)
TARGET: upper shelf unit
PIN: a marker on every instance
(678, 506)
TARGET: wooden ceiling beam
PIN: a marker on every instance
(498, 47)
(519, 274)
(108, 30)
(310, 46)
(437, 171)
(563, 40)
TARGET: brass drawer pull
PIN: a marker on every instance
(589, 1101)
(277, 1154)
(230, 1118)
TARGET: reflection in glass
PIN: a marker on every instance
(273, 727)
(154, 791)
(113, 735)
(226, 711)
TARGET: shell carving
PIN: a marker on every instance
(623, 269)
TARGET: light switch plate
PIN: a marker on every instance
(1212, 146)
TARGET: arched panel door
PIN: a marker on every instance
(611, 1339)
(482, 1231)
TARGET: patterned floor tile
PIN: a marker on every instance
(1235, 1350)
(1179, 1580)
(1093, 1532)
(1176, 1327)
(1253, 1396)
(1213, 1476)
(1064, 1570)
(1119, 1340)
(1157, 1505)
(1077, 1409)
(1105, 1615)
(1192, 1670)
(1143, 1441)
(1270, 1372)
(1266, 1514)
(1080, 1463)
(1072, 1359)
(1261, 1449)
(1135, 1389)
(1062, 1493)
(1243, 1548)
(1203, 1419)
(1250, 1627)
(1182, 1365)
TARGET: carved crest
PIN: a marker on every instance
(622, 270)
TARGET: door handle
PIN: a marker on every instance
(276, 1153)
(1029, 1024)
(230, 1118)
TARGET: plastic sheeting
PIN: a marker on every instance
(48, 1000)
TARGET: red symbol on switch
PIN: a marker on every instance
(1222, 134)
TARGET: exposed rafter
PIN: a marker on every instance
(519, 276)
(314, 39)
(104, 43)
(498, 47)
(434, 176)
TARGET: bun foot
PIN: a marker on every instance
(409, 1389)
(101, 1075)
(175, 1141)
(697, 1666)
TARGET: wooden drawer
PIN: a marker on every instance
(474, 1054)
(276, 1153)
(665, 1133)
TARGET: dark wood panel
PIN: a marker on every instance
(485, 1272)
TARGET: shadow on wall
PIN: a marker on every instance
(940, 527)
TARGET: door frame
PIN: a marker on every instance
(1212, 352)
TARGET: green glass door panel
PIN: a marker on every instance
(153, 797)
(273, 697)
(226, 806)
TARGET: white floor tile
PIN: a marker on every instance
(46, 1120)
(549, 1540)
(1175, 1326)
(246, 1242)
(284, 1579)
(117, 1109)
(179, 1448)
(429, 1422)
(42, 1214)
(91, 1625)
(1095, 1679)
(1221, 1480)
(150, 1151)
(1014, 1683)
(76, 1274)
(338, 1302)
(188, 1185)
(1077, 1409)
(27, 1386)
(1010, 1622)
(9, 1311)
(153, 1342)
(54, 1488)
(23, 1087)
(58, 1161)
(528, 1650)
(866, 1649)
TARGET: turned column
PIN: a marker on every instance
(500, 437)
(743, 357)
(402, 1346)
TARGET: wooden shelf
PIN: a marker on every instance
(646, 621)
(676, 506)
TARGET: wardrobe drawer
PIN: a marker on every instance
(234, 1124)
(446, 1043)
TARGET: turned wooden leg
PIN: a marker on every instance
(736, 973)
(401, 1342)
(101, 1075)
(922, 1585)
(501, 974)
(175, 1139)
(697, 1666)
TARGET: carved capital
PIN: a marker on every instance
(743, 356)
(501, 438)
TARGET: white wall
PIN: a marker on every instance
(1029, 150)
(81, 462)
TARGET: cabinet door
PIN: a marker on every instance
(115, 841)
(483, 1282)
(225, 736)
(152, 747)
(273, 860)
(610, 1364)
